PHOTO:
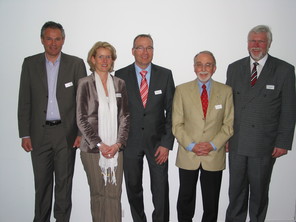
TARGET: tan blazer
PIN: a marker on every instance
(87, 113)
(190, 126)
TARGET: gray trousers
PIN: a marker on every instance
(248, 187)
(105, 200)
(53, 165)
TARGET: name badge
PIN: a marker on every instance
(218, 106)
(118, 95)
(270, 87)
(158, 92)
(69, 84)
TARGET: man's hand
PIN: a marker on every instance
(202, 149)
(26, 144)
(278, 152)
(161, 155)
(77, 142)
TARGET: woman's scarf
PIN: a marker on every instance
(107, 126)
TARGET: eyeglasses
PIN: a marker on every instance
(101, 57)
(142, 49)
(260, 42)
(199, 65)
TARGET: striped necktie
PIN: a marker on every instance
(254, 74)
(144, 88)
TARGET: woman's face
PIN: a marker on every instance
(102, 60)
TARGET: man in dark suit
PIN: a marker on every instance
(47, 121)
(264, 122)
(150, 129)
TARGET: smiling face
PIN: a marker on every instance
(102, 61)
(258, 45)
(53, 42)
(143, 52)
(204, 67)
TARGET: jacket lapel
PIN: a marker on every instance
(42, 70)
(261, 82)
(134, 83)
(194, 96)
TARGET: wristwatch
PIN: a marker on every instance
(98, 145)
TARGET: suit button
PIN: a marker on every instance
(142, 128)
(253, 126)
(144, 114)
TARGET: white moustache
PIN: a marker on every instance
(203, 73)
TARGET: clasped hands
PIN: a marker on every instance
(109, 151)
(202, 149)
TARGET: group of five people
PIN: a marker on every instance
(118, 119)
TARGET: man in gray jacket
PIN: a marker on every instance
(47, 121)
(264, 122)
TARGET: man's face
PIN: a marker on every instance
(204, 67)
(258, 45)
(53, 42)
(143, 52)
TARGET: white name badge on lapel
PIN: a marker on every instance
(158, 92)
(118, 95)
(218, 106)
(270, 87)
(69, 84)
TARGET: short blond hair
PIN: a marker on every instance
(93, 51)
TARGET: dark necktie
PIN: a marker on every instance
(144, 88)
(204, 100)
(254, 74)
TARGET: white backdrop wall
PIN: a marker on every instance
(180, 29)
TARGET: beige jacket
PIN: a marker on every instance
(190, 126)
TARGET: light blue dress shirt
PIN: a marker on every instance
(52, 70)
(139, 76)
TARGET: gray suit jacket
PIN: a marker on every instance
(264, 114)
(33, 96)
(87, 112)
(151, 126)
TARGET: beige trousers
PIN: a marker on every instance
(105, 200)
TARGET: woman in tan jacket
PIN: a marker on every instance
(103, 120)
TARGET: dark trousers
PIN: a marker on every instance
(53, 166)
(133, 173)
(248, 185)
(210, 182)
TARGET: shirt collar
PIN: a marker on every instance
(138, 69)
(261, 62)
(57, 60)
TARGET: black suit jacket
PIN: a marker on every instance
(150, 127)
(264, 114)
(33, 96)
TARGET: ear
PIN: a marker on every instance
(214, 69)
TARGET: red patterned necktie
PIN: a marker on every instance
(144, 88)
(254, 74)
(204, 100)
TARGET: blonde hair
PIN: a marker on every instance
(93, 51)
